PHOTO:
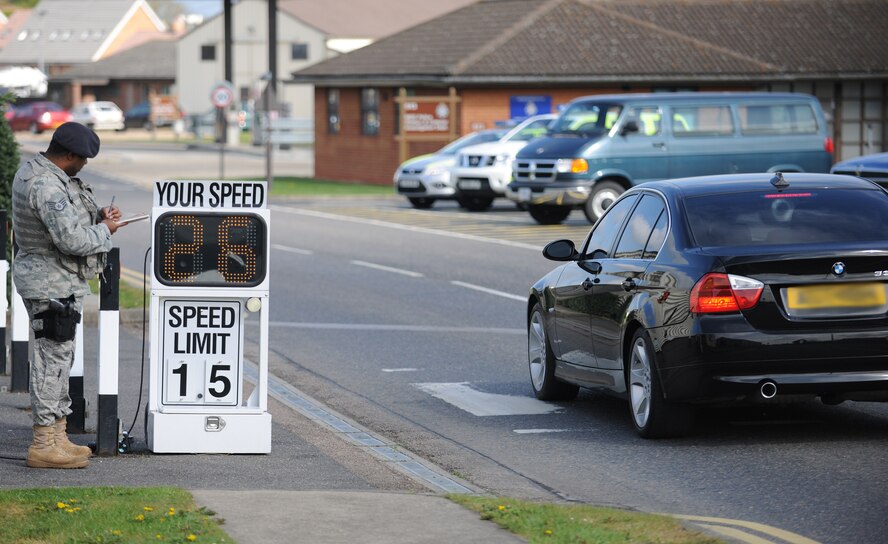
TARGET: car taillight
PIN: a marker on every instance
(719, 293)
(828, 145)
(46, 117)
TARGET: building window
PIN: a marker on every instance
(299, 51)
(369, 112)
(333, 123)
(208, 52)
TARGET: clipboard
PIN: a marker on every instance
(133, 219)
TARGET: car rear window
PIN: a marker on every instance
(788, 217)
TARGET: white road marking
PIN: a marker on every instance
(479, 403)
(488, 290)
(539, 431)
(388, 269)
(398, 226)
(295, 250)
(401, 369)
(393, 328)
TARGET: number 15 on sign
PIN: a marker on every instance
(200, 382)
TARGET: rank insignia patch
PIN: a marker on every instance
(57, 206)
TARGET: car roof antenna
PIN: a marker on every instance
(779, 182)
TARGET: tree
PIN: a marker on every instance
(9, 162)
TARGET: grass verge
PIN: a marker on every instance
(291, 186)
(577, 523)
(105, 515)
(130, 297)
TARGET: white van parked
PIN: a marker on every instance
(483, 171)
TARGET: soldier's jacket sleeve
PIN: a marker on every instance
(63, 221)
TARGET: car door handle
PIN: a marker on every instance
(629, 284)
(587, 284)
(659, 145)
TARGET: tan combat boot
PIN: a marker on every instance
(44, 453)
(61, 440)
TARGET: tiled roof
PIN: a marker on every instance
(620, 40)
(152, 60)
(65, 31)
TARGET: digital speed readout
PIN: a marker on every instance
(210, 249)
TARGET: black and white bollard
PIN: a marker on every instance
(108, 424)
(21, 330)
(4, 273)
(77, 419)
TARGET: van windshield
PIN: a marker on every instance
(587, 118)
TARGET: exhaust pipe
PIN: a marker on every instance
(768, 389)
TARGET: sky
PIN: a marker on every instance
(204, 7)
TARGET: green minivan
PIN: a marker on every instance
(602, 145)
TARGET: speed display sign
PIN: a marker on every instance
(210, 248)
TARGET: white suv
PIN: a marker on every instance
(483, 171)
(98, 115)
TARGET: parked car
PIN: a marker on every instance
(749, 287)
(871, 167)
(99, 115)
(426, 178)
(39, 116)
(602, 145)
(139, 116)
(482, 171)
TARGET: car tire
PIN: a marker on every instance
(421, 203)
(548, 214)
(603, 194)
(652, 415)
(475, 203)
(541, 362)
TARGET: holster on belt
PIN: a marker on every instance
(59, 321)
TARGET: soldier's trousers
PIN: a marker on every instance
(50, 369)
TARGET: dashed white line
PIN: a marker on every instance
(539, 431)
(401, 369)
(388, 269)
(488, 290)
(295, 250)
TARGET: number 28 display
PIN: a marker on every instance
(210, 249)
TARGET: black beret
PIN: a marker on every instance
(78, 139)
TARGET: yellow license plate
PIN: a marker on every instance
(846, 295)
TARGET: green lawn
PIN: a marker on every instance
(105, 515)
(580, 523)
(290, 186)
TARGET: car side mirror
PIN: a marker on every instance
(629, 126)
(560, 250)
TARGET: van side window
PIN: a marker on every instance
(648, 118)
(691, 121)
(777, 119)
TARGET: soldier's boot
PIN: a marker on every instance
(44, 453)
(61, 440)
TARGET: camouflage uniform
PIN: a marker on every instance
(61, 246)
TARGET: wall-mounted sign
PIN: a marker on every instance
(524, 106)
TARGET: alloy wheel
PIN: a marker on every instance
(640, 383)
(536, 351)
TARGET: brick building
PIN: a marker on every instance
(497, 53)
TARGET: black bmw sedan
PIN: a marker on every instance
(735, 288)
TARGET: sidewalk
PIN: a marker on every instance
(313, 487)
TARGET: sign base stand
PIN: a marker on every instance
(209, 433)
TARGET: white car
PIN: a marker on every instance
(98, 115)
(426, 178)
(483, 171)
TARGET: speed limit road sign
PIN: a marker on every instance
(222, 94)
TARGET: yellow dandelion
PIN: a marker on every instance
(548, 532)
(148, 509)
(172, 512)
(61, 506)
(77, 509)
(70, 510)
(140, 517)
(190, 538)
(158, 536)
(116, 532)
(501, 508)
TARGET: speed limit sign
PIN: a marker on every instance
(222, 94)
